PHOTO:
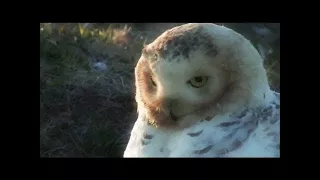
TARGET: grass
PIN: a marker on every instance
(85, 112)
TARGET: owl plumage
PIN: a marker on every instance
(202, 91)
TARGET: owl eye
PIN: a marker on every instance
(152, 81)
(198, 81)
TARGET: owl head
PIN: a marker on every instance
(195, 71)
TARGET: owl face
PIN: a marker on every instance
(171, 90)
(193, 70)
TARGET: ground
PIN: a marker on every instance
(87, 106)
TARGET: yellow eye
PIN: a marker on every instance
(198, 81)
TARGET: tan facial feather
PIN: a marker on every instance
(155, 106)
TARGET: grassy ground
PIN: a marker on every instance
(88, 113)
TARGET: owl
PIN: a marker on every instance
(202, 91)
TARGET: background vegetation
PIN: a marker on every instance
(87, 106)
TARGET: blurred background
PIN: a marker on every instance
(87, 106)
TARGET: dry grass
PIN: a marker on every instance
(84, 112)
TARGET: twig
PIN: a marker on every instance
(74, 142)
(52, 150)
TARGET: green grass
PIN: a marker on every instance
(85, 113)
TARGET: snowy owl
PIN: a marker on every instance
(202, 91)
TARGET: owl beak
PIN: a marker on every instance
(163, 118)
(164, 114)
(168, 109)
(173, 117)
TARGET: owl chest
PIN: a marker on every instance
(191, 143)
(198, 144)
(169, 146)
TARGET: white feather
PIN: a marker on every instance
(168, 143)
(250, 131)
